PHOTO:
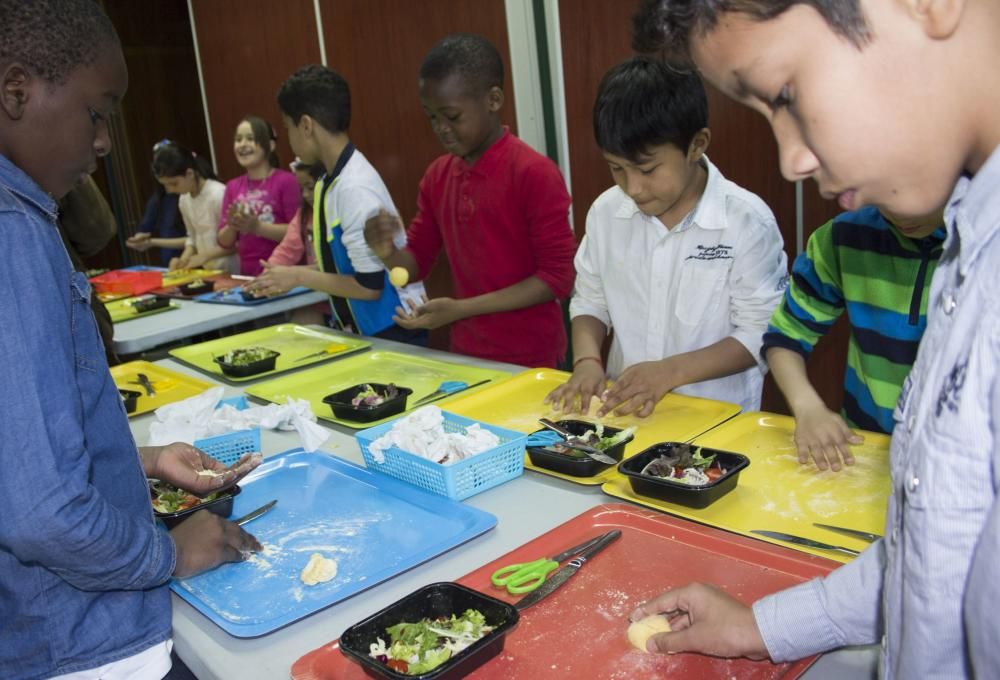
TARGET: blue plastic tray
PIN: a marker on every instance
(231, 296)
(336, 508)
(143, 268)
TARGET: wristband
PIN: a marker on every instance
(597, 359)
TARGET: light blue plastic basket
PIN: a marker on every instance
(458, 480)
(228, 448)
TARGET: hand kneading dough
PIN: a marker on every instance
(319, 570)
(640, 631)
(399, 276)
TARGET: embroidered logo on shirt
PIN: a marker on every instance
(952, 388)
(719, 252)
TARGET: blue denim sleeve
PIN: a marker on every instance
(73, 488)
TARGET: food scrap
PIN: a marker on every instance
(319, 570)
(418, 648)
(685, 465)
(369, 397)
(594, 437)
(168, 499)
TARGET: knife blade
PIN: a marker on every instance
(255, 514)
(808, 542)
(863, 535)
(564, 574)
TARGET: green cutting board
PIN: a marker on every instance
(292, 341)
(420, 374)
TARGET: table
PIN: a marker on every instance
(212, 654)
(194, 318)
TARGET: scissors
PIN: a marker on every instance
(544, 438)
(525, 577)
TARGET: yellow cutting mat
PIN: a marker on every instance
(179, 277)
(420, 374)
(170, 386)
(517, 404)
(294, 342)
(777, 493)
(122, 310)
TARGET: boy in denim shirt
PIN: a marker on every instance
(83, 564)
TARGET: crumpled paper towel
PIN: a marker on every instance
(197, 418)
(422, 433)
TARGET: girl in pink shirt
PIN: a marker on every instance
(258, 206)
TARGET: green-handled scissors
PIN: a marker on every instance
(526, 576)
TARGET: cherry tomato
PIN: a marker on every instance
(398, 665)
(713, 473)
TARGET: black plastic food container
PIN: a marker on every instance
(579, 464)
(221, 506)
(129, 398)
(432, 601)
(246, 370)
(675, 492)
(340, 402)
(149, 305)
(197, 288)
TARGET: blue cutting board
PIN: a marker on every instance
(231, 296)
(374, 526)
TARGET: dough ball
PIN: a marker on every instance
(319, 570)
(640, 631)
(399, 276)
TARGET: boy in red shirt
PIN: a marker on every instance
(498, 208)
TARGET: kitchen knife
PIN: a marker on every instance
(863, 535)
(808, 542)
(255, 514)
(564, 574)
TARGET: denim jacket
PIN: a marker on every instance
(83, 564)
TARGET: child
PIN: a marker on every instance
(499, 210)
(84, 569)
(190, 176)
(257, 206)
(831, 78)
(705, 263)
(315, 105)
(878, 269)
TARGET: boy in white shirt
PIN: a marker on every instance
(685, 266)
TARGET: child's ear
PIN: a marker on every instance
(15, 82)
(939, 18)
(494, 99)
(699, 145)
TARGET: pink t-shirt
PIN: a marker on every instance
(297, 246)
(274, 199)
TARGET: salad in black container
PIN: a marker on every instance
(609, 440)
(247, 361)
(366, 402)
(685, 474)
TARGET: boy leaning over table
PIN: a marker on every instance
(84, 565)
(830, 76)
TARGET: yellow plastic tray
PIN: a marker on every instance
(293, 341)
(777, 493)
(170, 385)
(420, 374)
(179, 277)
(121, 310)
(517, 404)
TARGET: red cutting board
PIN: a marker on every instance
(579, 630)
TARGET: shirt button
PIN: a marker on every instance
(913, 484)
(949, 303)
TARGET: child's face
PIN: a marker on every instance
(306, 184)
(301, 142)
(465, 124)
(55, 133)
(181, 184)
(658, 181)
(854, 119)
(249, 153)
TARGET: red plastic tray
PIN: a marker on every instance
(127, 282)
(579, 631)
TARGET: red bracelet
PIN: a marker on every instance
(597, 359)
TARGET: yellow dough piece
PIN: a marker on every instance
(319, 570)
(399, 276)
(640, 631)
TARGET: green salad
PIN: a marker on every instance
(417, 648)
(246, 355)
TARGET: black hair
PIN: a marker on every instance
(170, 159)
(643, 103)
(54, 37)
(472, 57)
(263, 134)
(316, 171)
(666, 27)
(317, 92)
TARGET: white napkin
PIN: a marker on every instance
(197, 418)
(422, 433)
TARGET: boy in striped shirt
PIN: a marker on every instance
(877, 268)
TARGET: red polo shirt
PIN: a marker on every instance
(500, 220)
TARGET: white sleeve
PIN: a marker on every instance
(588, 291)
(357, 205)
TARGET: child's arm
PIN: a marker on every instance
(198, 258)
(142, 241)
(588, 377)
(277, 279)
(819, 432)
(380, 233)
(230, 208)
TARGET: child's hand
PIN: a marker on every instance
(705, 620)
(823, 434)
(243, 221)
(276, 280)
(205, 540)
(140, 241)
(432, 314)
(176, 263)
(575, 394)
(196, 261)
(191, 469)
(379, 233)
(639, 389)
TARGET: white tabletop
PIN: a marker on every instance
(193, 318)
(212, 654)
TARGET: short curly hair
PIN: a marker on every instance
(54, 37)
(320, 93)
(472, 57)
